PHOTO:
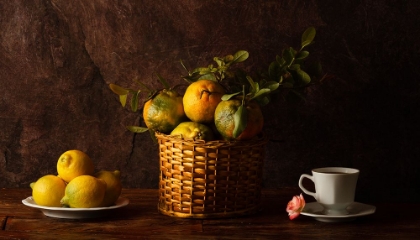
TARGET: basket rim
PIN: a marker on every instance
(260, 139)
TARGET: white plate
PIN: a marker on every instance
(75, 213)
(355, 210)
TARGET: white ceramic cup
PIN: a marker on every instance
(335, 188)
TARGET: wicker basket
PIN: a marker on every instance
(209, 179)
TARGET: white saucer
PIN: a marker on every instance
(355, 210)
(75, 213)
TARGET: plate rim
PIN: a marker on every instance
(370, 209)
(121, 202)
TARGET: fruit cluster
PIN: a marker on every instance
(219, 103)
(77, 185)
(201, 114)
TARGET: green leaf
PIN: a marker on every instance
(254, 86)
(143, 85)
(203, 71)
(302, 55)
(118, 90)
(308, 36)
(261, 92)
(183, 66)
(294, 67)
(256, 89)
(221, 69)
(123, 100)
(228, 59)
(240, 56)
(219, 61)
(151, 95)
(274, 70)
(262, 101)
(163, 81)
(209, 76)
(153, 136)
(195, 70)
(240, 119)
(280, 60)
(135, 101)
(303, 77)
(272, 85)
(289, 55)
(192, 77)
(281, 79)
(137, 129)
(229, 96)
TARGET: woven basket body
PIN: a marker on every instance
(209, 179)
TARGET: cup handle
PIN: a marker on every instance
(303, 188)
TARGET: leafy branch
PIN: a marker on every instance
(290, 70)
(287, 71)
(218, 72)
(123, 93)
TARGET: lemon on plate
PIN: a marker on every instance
(48, 191)
(113, 186)
(74, 163)
(84, 191)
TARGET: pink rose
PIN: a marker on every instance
(295, 206)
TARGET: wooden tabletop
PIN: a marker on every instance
(141, 220)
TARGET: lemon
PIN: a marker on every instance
(84, 191)
(74, 163)
(113, 186)
(194, 131)
(48, 191)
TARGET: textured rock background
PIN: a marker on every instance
(57, 58)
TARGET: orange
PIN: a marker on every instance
(225, 123)
(164, 111)
(201, 99)
(74, 163)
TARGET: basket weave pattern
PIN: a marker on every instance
(209, 179)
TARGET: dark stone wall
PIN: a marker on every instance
(57, 58)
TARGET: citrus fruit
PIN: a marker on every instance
(74, 163)
(113, 186)
(48, 191)
(225, 123)
(84, 191)
(164, 111)
(194, 131)
(201, 99)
